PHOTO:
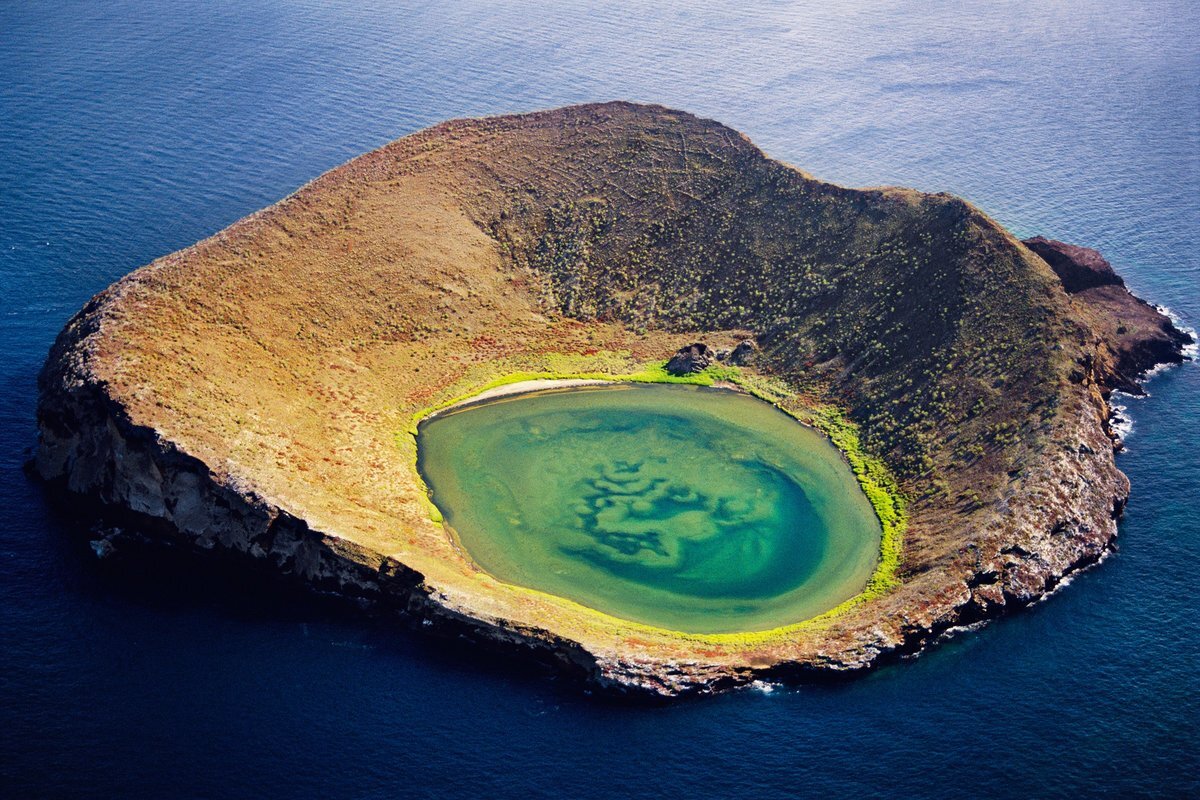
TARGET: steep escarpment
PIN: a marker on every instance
(253, 392)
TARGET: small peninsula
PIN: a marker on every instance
(261, 392)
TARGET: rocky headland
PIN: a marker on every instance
(1131, 336)
(255, 393)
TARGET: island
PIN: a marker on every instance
(261, 392)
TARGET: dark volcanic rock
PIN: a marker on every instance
(1133, 335)
(743, 354)
(1077, 267)
(693, 358)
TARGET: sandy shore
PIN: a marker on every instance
(536, 385)
(539, 384)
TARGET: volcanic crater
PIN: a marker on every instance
(259, 393)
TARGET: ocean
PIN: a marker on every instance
(131, 129)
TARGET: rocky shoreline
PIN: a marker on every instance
(972, 558)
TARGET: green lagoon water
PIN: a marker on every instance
(689, 508)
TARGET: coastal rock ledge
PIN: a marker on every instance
(255, 394)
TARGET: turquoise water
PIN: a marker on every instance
(688, 508)
(130, 129)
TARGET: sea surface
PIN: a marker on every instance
(131, 129)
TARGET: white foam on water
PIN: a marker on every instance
(955, 630)
(1120, 419)
(1070, 577)
(1190, 351)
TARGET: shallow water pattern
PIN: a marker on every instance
(693, 509)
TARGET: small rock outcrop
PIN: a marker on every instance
(1077, 267)
(691, 359)
(743, 354)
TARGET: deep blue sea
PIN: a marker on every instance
(129, 129)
